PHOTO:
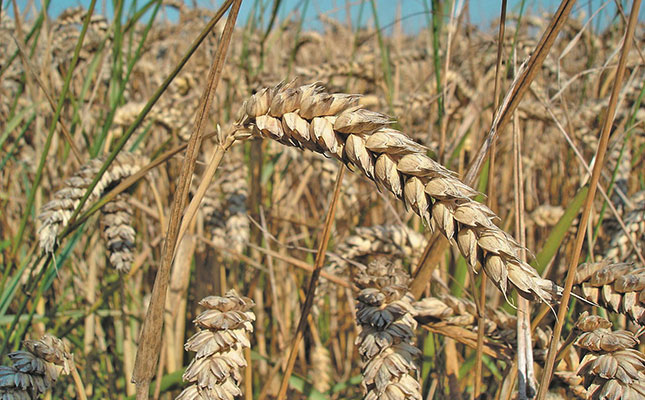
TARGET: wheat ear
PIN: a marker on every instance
(216, 369)
(35, 369)
(618, 287)
(611, 370)
(448, 310)
(55, 214)
(335, 125)
(385, 315)
(119, 235)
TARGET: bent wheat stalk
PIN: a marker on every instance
(335, 125)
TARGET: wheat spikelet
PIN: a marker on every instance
(384, 313)
(35, 369)
(547, 215)
(225, 327)
(611, 370)
(333, 124)
(56, 213)
(573, 384)
(118, 233)
(618, 287)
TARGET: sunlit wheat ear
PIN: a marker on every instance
(385, 316)
(215, 372)
(334, 125)
(34, 369)
(55, 214)
(617, 287)
(119, 235)
(611, 370)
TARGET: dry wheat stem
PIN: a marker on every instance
(333, 124)
(148, 353)
(313, 282)
(595, 177)
(225, 141)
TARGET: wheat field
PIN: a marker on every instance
(227, 206)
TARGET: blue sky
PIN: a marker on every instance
(413, 12)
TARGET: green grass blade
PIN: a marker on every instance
(554, 240)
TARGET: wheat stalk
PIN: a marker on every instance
(334, 125)
(35, 369)
(384, 313)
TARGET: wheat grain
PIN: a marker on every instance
(334, 125)
(225, 205)
(118, 232)
(321, 368)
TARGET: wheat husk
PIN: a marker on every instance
(617, 287)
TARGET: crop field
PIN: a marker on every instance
(240, 205)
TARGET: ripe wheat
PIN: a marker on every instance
(618, 287)
(216, 369)
(334, 125)
(611, 370)
(55, 214)
(35, 369)
(385, 314)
